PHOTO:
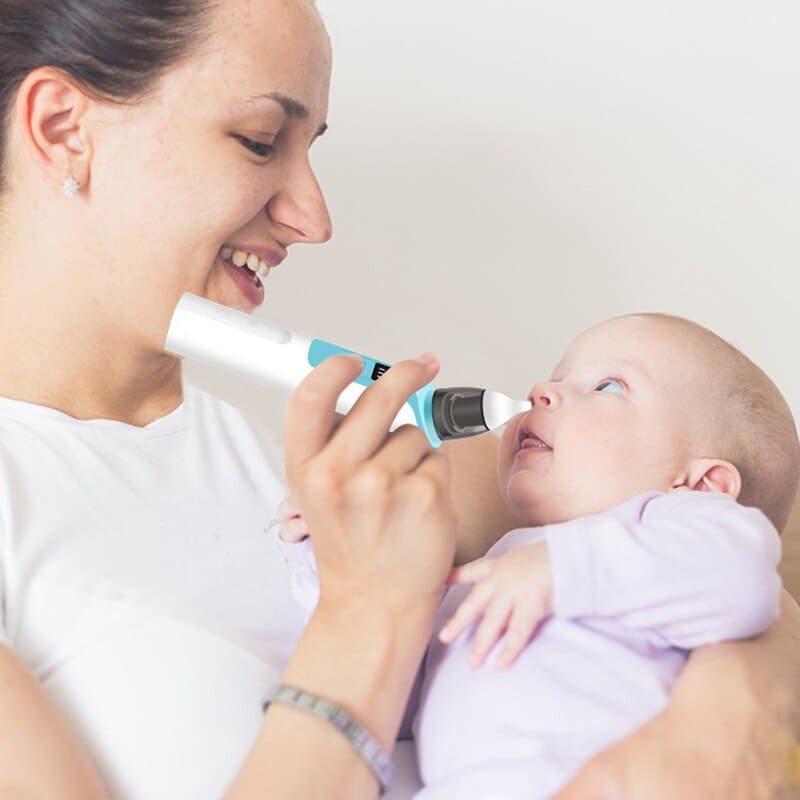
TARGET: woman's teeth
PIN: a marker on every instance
(241, 259)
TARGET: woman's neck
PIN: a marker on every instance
(78, 360)
(83, 389)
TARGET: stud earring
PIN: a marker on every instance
(71, 187)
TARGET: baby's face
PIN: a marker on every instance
(615, 420)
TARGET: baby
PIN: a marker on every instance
(651, 476)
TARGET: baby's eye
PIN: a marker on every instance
(610, 386)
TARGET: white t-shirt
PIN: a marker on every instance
(142, 587)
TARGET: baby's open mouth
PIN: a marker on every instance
(256, 269)
(528, 440)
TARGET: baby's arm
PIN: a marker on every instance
(697, 568)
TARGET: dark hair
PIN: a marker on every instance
(116, 49)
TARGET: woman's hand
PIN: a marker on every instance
(378, 504)
(665, 761)
(654, 763)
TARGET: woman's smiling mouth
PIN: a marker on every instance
(258, 264)
(249, 268)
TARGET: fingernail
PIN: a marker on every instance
(426, 358)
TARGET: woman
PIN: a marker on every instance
(144, 144)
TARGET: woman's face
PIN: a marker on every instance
(217, 160)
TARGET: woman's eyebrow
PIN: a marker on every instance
(293, 109)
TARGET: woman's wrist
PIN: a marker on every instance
(364, 658)
(363, 742)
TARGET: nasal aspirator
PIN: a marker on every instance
(213, 334)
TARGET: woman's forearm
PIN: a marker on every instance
(750, 691)
(40, 756)
(367, 665)
(768, 666)
(728, 733)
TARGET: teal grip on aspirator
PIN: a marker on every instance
(421, 401)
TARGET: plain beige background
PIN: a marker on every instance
(502, 175)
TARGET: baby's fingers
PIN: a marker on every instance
(521, 626)
(471, 572)
(294, 530)
(470, 609)
(287, 509)
(492, 625)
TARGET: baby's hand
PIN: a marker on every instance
(293, 526)
(513, 593)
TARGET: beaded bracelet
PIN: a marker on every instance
(366, 744)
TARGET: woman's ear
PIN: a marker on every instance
(51, 109)
(711, 475)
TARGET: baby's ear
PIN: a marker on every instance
(712, 475)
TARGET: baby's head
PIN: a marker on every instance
(649, 402)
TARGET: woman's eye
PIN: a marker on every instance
(610, 386)
(258, 148)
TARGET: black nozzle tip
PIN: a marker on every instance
(458, 412)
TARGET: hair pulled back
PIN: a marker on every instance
(116, 49)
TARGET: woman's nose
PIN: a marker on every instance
(545, 394)
(300, 207)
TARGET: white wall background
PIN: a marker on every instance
(502, 175)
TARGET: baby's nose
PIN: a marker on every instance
(545, 394)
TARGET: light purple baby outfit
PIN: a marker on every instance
(635, 589)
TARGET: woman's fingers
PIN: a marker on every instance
(311, 411)
(310, 414)
(403, 451)
(363, 431)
